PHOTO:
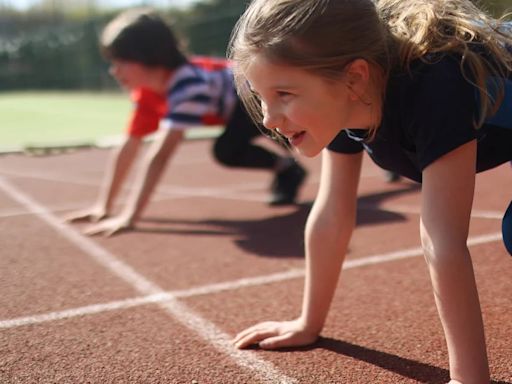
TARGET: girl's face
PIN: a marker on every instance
(129, 74)
(307, 109)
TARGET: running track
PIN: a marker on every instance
(160, 304)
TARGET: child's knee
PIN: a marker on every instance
(506, 228)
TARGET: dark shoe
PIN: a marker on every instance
(286, 185)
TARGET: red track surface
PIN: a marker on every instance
(159, 304)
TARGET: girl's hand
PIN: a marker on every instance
(276, 334)
(110, 226)
(93, 214)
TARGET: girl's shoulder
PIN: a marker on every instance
(453, 65)
(436, 67)
(433, 78)
(430, 109)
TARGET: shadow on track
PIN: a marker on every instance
(421, 372)
(278, 235)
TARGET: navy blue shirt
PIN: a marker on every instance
(428, 112)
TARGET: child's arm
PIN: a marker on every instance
(447, 196)
(120, 163)
(328, 231)
(154, 164)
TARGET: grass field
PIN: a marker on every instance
(59, 118)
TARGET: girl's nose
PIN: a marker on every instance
(271, 118)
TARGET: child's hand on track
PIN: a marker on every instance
(93, 214)
(276, 334)
(109, 227)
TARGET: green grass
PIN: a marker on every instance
(60, 118)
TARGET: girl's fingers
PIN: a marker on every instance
(245, 332)
(289, 339)
(92, 215)
(97, 218)
(96, 229)
(279, 341)
(92, 232)
(107, 227)
(253, 329)
(113, 231)
(272, 335)
(77, 216)
(251, 338)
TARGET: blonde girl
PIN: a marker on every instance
(424, 86)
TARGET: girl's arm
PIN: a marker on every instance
(328, 231)
(155, 162)
(119, 166)
(115, 177)
(447, 196)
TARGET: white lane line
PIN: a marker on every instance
(179, 311)
(75, 312)
(483, 214)
(221, 287)
(13, 212)
(153, 298)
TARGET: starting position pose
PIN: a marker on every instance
(173, 93)
(424, 86)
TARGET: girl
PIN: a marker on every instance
(175, 93)
(424, 87)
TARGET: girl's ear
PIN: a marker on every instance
(357, 78)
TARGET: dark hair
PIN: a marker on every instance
(142, 36)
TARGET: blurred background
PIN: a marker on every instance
(53, 44)
(55, 90)
(54, 86)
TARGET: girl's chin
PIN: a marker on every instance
(308, 151)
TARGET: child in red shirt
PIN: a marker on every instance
(173, 93)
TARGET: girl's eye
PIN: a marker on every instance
(284, 94)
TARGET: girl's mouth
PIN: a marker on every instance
(297, 138)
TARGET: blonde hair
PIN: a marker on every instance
(323, 36)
